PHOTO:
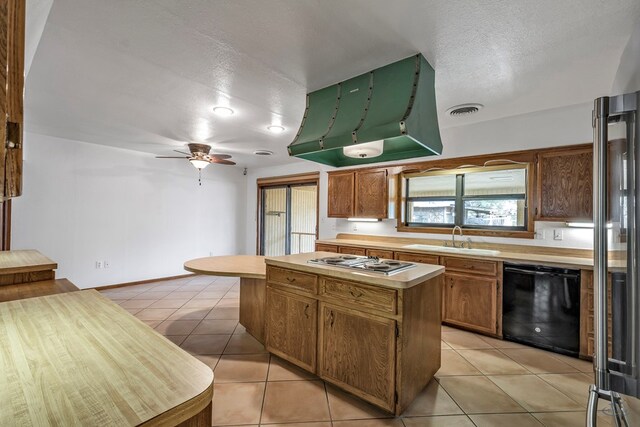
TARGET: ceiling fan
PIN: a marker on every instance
(200, 157)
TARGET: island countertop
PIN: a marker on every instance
(79, 359)
(246, 266)
(401, 280)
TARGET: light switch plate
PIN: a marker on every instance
(557, 234)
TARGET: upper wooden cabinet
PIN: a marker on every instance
(371, 194)
(12, 30)
(358, 193)
(341, 198)
(565, 184)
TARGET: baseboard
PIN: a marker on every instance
(142, 282)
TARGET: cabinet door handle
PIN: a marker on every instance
(331, 318)
(306, 311)
(291, 279)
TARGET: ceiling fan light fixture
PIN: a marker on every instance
(223, 111)
(275, 129)
(199, 163)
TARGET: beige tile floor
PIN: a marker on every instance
(483, 381)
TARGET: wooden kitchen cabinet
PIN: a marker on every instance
(320, 247)
(471, 302)
(351, 250)
(371, 195)
(341, 194)
(380, 343)
(12, 32)
(291, 327)
(564, 184)
(358, 193)
(587, 336)
(380, 253)
(358, 352)
(422, 258)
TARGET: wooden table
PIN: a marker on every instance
(251, 270)
(79, 359)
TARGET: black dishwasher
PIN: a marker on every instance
(541, 307)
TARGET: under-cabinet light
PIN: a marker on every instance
(584, 225)
(363, 219)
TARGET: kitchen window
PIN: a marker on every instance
(477, 198)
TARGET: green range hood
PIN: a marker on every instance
(384, 115)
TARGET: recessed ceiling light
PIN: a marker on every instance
(263, 153)
(275, 129)
(223, 111)
(464, 109)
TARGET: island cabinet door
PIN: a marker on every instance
(292, 328)
(471, 302)
(357, 352)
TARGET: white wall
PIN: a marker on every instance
(628, 74)
(550, 128)
(84, 202)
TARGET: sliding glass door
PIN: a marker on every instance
(288, 219)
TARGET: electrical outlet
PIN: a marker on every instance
(557, 234)
(210, 253)
(355, 227)
(106, 264)
(540, 234)
(98, 264)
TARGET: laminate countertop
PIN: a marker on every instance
(247, 266)
(506, 255)
(24, 261)
(402, 280)
(79, 359)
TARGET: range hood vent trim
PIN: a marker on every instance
(395, 103)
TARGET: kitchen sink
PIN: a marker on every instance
(466, 251)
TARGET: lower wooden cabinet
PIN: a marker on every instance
(423, 258)
(381, 344)
(350, 250)
(357, 352)
(291, 327)
(471, 302)
(380, 253)
(321, 247)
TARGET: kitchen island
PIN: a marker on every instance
(251, 270)
(375, 336)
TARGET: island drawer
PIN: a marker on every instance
(382, 299)
(489, 268)
(422, 258)
(293, 279)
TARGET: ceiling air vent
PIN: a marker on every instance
(464, 109)
(263, 153)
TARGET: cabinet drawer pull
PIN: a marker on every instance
(291, 279)
(354, 294)
(306, 311)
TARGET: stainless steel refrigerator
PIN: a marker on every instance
(616, 190)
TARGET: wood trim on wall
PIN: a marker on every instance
(5, 225)
(301, 178)
(142, 282)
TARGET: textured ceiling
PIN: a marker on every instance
(145, 74)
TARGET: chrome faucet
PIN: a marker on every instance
(453, 236)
